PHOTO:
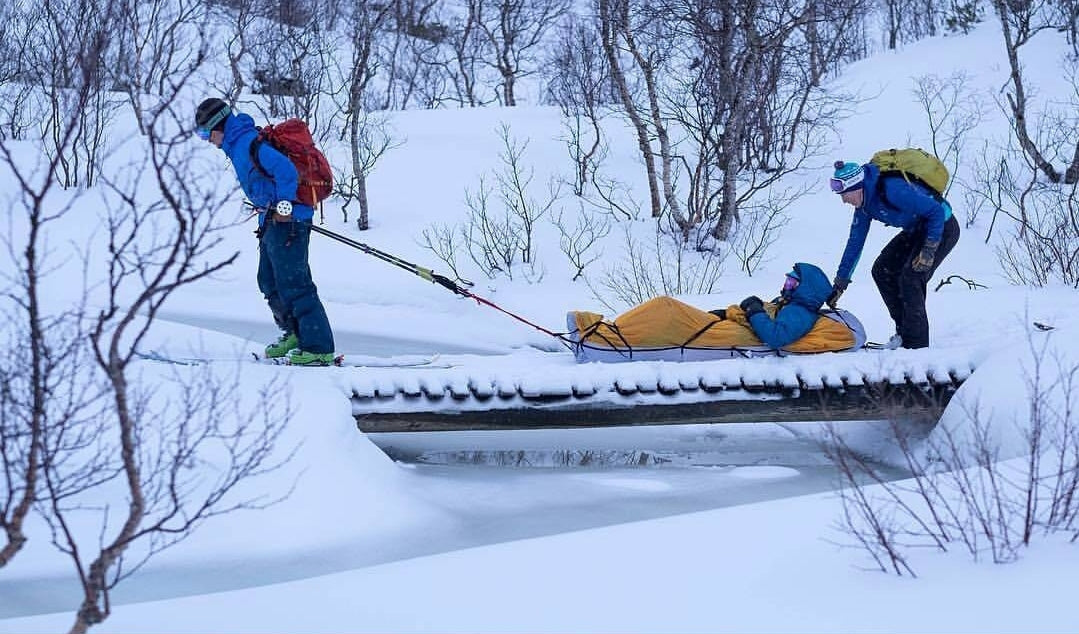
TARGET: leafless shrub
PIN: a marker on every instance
(442, 240)
(963, 493)
(662, 267)
(158, 42)
(290, 70)
(578, 240)
(613, 197)
(239, 18)
(491, 238)
(586, 148)
(1039, 218)
(67, 52)
(498, 239)
(1042, 240)
(876, 532)
(758, 231)
(952, 112)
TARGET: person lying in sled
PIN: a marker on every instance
(664, 328)
(788, 317)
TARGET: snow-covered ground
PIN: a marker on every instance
(364, 544)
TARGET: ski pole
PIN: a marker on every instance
(430, 276)
(415, 269)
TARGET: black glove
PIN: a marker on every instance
(752, 305)
(924, 260)
(719, 312)
(838, 286)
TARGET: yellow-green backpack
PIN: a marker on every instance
(913, 164)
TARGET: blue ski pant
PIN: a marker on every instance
(284, 277)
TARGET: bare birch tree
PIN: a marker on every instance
(1020, 22)
(170, 464)
(156, 41)
(290, 68)
(415, 54)
(464, 71)
(47, 404)
(636, 47)
(578, 82)
(240, 16)
(365, 24)
(68, 45)
(514, 31)
(751, 108)
(910, 20)
(16, 83)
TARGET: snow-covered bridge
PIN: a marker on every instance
(530, 390)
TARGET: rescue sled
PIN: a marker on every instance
(665, 329)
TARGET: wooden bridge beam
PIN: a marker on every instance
(874, 401)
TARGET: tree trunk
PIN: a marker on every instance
(649, 73)
(361, 196)
(1018, 101)
(609, 29)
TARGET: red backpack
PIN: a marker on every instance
(293, 138)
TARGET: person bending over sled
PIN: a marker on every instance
(905, 265)
(284, 276)
(793, 313)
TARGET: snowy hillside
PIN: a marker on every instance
(364, 544)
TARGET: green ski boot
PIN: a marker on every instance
(302, 357)
(281, 347)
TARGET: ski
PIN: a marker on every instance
(154, 355)
(360, 361)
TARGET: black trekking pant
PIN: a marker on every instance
(902, 288)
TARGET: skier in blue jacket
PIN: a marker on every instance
(804, 290)
(905, 265)
(284, 276)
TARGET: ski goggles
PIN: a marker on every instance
(842, 185)
(790, 283)
(204, 131)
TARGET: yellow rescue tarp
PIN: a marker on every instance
(665, 322)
